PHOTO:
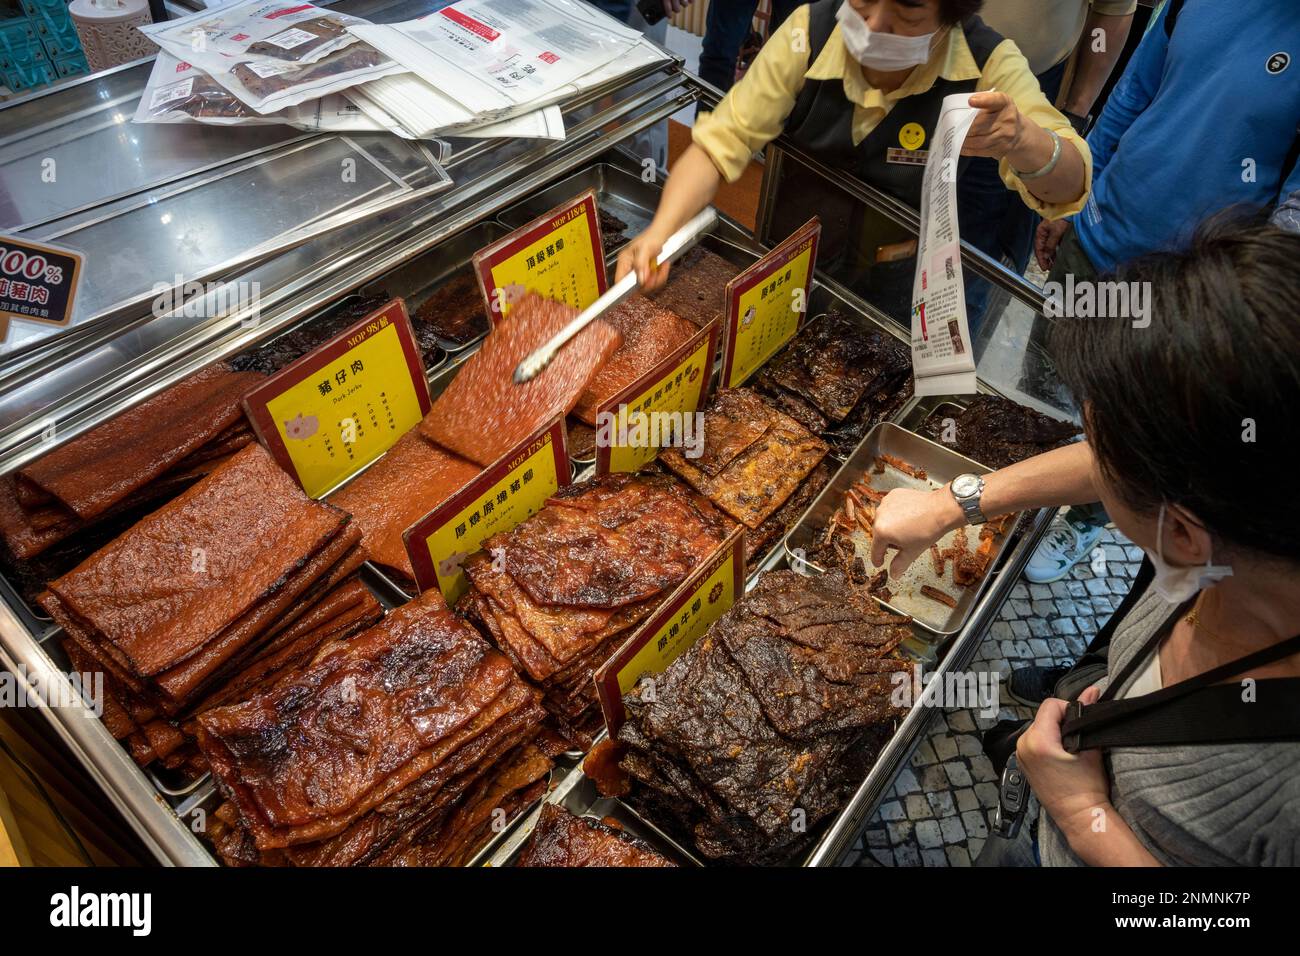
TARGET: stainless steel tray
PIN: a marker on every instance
(941, 466)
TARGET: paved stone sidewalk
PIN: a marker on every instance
(937, 813)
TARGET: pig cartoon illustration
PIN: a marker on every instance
(301, 427)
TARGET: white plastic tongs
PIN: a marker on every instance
(678, 243)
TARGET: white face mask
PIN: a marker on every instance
(1176, 584)
(885, 52)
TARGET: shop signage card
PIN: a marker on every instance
(559, 256)
(702, 598)
(338, 408)
(38, 283)
(652, 412)
(767, 302)
(505, 494)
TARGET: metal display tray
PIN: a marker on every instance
(941, 465)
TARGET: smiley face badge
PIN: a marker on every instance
(912, 136)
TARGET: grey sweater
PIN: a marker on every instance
(1213, 805)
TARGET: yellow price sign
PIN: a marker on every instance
(654, 411)
(559, 256)
(506, 494)
(767, 302)
(331, 413)
(707, 593)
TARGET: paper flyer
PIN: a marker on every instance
(942, 359)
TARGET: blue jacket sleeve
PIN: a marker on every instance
(1131, 95)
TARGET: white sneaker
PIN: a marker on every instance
(1067, 543)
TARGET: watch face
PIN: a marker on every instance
(963, 486)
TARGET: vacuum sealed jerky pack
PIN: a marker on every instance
(179, 92)
(271, 56)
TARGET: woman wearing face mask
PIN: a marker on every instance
(1187, 422)
(858, 84)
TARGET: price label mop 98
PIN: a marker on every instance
(507, 493)
(558, 256)
(706, 595)
(338, 408)
(767, 302)
(942, 360)
(657, 410)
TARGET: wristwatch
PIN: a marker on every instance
(967, 489)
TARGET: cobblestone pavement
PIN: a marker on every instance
(938, 810)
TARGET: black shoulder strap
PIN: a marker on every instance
(1171, 17)
(1168, 717)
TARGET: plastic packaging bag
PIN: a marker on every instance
(179, 92)
(272, 56)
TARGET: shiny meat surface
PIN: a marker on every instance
(615, 540)
(483, 414)
(94, 471)
(161, 590)
(759, 479)
(780, 707)
(650, 334)
(360, 725)
(410, 480)
(563, 840)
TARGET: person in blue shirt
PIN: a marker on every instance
(1204, 117)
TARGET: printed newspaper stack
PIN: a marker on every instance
(477, 68)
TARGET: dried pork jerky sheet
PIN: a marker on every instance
(650, 334)
(454, 310)
(758, 455)
(997, 432)
(367, 720)
(575, 578)
(780, 707)
(564, 840)
(760, 539)
(483, 414)
(697, 286)
(274, 355)
(93, 472)
(838, 379)
(613, 231)
(395, 492)
(181, 575)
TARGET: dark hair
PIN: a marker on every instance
(1169, 408)
(951, 11)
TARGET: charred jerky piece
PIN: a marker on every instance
(454, 311)
(323, 746)
(696, 288)
(785, 517)
(483, 413)
(274, 355)
(612, 540)
(998, 432)
(563, 840)
(650, 334)
(612, 231)
(755, 483)
(395, 492)
(734, 420)
(94, 471)
(581, 440)
(165, 587)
